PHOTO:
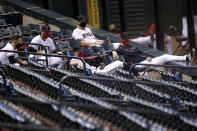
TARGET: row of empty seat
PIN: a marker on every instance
(147, 105)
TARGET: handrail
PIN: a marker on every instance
(45, 50)
(53, 55)
(157, 65)
(27, 127)
(92, 106)
(108, 79)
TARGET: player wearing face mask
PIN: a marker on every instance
(130, 53)
(9, 57)
(108, 69)
(86, 37)
(134, 55)
(84, 34)
(45, 40)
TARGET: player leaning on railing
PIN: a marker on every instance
(9, 57)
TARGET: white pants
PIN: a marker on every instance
(163, 59)
(185, 29)
(142, 40)
(53, 61)
(109, 69)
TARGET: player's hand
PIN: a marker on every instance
(25, 63)
(149, 59)
(98, 42)
(40, 52)
(115, 55)
(60, 53)
(80, 64)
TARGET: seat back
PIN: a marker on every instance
(87, 52)
(62, 46)
(2, 44)
(34, 28)
(2, 22)
(4, 33)
(14, 30)
(25, 29)
(1, 10)
(55, 35)
(26, 39)
(108, 47)
(74, 43)
(66, 33)
(97, 50)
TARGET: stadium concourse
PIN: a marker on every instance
(40, 97)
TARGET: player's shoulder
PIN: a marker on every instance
(36, 38)
(76, 30)
(49, 40)
(88, 29)
(8, 46)
(77, 33)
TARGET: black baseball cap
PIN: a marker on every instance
(125, 35)
(46, 27)
(81, 18)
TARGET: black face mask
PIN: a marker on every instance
(19, 46)
(83, 24)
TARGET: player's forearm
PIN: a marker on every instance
(18, 60)
(85, 44)
(115, 55)
(73, 63)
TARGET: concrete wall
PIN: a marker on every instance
(31, 20)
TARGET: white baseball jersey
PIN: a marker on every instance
(4, 55)
(85, 35)
(48, 43)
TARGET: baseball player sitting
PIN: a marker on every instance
(133, 55)
(86, 37)
(9, 57)
(101, 69)
(44, 40)
(150, 38)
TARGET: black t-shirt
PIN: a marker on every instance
(131, 54)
